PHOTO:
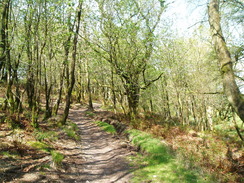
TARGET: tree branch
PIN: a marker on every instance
(151, 82)
(242, 79)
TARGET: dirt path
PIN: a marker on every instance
(102, 158)
(97, 158)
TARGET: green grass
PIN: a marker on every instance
(7, 154)
(106, 127)
(40, 146)
(73, 126)
(227, 130)
(89, 113)
(2, 102)
(228, 125)
(44, 166)
(41, 135)
(71, 131)
(57, 157)
(72, 134)
(159, 164)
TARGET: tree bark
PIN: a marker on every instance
(72, 72)
(30, 83)
(90, 105)
(5, 51)
(133, 95)
(231, 89)
(60, 91)
(113, 88)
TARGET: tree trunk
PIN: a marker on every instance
(60, 91)
(5, 47)
(72, 72)
(166, 96)
(2, 39)
(231, 89)
(48, 110)
(132, 92)
(90, 105)
(30, 83)
(113, 89)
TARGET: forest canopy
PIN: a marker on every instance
(125, 54)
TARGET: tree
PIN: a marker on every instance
(6, 65)
(126, 42)
(4, 16)
(231, 89)
(71, 81)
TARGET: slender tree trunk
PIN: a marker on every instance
(48, 89)
(90, 105)
(79, 85)
(231, 89)
(2, 38)
(67, 44)
(48, 111)
(18, 101)
(113, 89)
(60, 91)
(166, 95)
(236, 126)
(73, 63)
(193, 109)
(47, 78)
(30, 83)
(6, 55)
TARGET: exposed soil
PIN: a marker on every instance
(98, 157)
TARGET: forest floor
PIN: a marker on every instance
(82, 152)
(96, 157)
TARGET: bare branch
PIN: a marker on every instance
(151, 82)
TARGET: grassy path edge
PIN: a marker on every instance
(156, 161)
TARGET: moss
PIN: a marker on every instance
(225, 68)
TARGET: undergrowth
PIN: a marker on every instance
(106, 127)
(71, 130)
(218, 152)
(159, 163)
(42, 135)
(57, 158)
(89, 114)
(8, 154)
(42, 146)
(72, 134)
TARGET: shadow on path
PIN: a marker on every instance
(97, 158)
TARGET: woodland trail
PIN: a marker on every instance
(102, 159)
(96, 158)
